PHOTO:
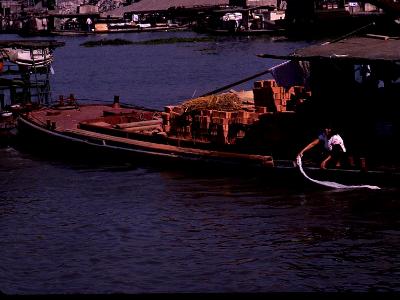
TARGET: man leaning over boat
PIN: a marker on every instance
(333, 148)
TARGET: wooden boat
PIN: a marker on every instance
(262, 129)
(123, 130)
(117, 132)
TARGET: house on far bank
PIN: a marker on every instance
(185, 12)
(76, 21)
(253, 3)
(9, 11)
(148, 6)
(10, 7)
(147, 14)
(323, 18)
(159, 6)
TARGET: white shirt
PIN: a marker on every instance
(336, 140)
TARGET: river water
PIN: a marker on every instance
(70, 226)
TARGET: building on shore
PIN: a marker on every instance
(321, 18)
(74, 21)
(146, 6)
(9, 12)
(71, 15)
(297, 17)
(188, 12)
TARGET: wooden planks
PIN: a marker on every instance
(264, 160)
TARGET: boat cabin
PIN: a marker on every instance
(355, 84)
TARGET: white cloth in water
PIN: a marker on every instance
(331, 183)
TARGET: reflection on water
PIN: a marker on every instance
(70, 226)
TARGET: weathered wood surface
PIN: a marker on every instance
(139, 124)
(263, 160)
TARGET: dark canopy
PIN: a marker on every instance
(368, 48)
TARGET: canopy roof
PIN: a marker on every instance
(369, 48)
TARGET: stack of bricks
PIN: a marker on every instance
(297, 95)
(269, 97)
(245, 117)
(241, 123)
(225, 127)
(175, 122)
(221, 127)
(201, 125)
(263, 95)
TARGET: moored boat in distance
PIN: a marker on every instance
(29, 57)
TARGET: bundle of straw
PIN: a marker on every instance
(224, 102)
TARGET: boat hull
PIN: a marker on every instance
(95, 147)
(85, 148)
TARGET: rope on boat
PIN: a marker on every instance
(331, 183)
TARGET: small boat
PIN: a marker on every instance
(29, 57)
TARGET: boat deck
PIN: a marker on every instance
(69, 118)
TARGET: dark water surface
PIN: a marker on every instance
(68, 226)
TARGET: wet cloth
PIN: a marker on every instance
(332, 184)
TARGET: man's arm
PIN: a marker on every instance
(309, 146)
